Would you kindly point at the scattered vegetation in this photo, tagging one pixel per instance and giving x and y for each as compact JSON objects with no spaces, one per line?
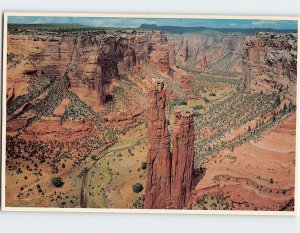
{"x":137,"y":187}
{"x":57,"y":182}
{"x":144,"y":165}
{"x":198,"y":107}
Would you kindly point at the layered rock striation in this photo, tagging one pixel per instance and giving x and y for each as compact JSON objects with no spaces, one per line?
{"x":169,"y":176}
{"x":90,"y":59}
{"x":205,"y":50}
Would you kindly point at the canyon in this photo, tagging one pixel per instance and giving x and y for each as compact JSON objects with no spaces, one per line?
{"x":90,"y":60}
{"x":134,"y":118}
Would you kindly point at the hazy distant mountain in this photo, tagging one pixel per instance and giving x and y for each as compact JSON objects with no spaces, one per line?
{"x":181,"y":29}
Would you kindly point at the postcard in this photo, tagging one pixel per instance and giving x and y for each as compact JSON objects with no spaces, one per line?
{"x":149,"y":113}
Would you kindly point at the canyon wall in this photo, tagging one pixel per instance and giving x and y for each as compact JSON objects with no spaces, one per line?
{"x":209,"y":50}
{"x":90,"y":59}
{"x":201,"y":62}
{"x":269,"y":59}
{"x":169,"y":179}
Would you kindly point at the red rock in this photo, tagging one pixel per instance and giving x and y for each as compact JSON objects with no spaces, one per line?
{"x":91,"y":59}
{"x":158,"y":183}
{"x":186,"y":51}
{"x":169,"y":180}
{"x":172,"y":54}
{"x":202,"y":62}
{"x":183,"y":157}
{"x":269,"y":57}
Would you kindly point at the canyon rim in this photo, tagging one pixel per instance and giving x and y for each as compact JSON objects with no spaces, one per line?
{"x":138,"y":113}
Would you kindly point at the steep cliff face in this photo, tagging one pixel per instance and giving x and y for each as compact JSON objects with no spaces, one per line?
{"x":183,"y":157}
{"x":172,"y":54}
{"x":169,"y":179}
{"x":158,"y":186}
{"x":269,"y":58}
{"x":216,"y":50}
{"x":90,"y":59}
{"x":159,"y":51}
{"x":201,"y":62}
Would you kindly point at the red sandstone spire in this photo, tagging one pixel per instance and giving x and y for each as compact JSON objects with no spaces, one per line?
{"x":169,"y":180}
{"x":183,"y":157}
{"x":158,"y":186}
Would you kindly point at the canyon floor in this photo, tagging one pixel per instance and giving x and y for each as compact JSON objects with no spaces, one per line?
{"x":65,"y":149}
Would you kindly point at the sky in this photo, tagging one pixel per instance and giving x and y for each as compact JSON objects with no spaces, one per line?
{"x":136,"y":22}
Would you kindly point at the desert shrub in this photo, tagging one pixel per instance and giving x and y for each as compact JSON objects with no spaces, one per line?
{"x":212,"y":94}
{"x":198,"y":107}
{"x":144,"y":165}
{"x":130,"y":152}
{"x":57,"y":182}
{"x":206,"y":100}
{"x":139,"y":203}
{"x":278,"y":101}
{"x":181,"y":102}
{"x":197,"y":114}
{"x":137,"y":187}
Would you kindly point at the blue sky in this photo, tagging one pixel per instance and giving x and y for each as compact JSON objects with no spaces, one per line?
{"x":136,"y":22}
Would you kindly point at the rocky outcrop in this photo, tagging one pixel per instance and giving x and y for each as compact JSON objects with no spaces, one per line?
{"x":186,"y":51}
{"x":183,"y":157}
{"x":10,"y":94}
{"x":158,"y":186}
{"x":201,"y":62}
{"x":217,"y":49}
{"x":159,"y":51}
{"x":172,"y":54}
{"x":272,"y":55}
{"x":90,"y":59}
{"x":169,"y":179}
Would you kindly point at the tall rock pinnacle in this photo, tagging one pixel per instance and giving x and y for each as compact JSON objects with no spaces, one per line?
{"x":169,"y":179}
{"x":183,"y":156}
{"x":158,"y":186}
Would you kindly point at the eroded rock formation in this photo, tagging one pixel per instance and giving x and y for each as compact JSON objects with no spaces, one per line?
{"x":90,"y":59}
{"x":269,"y":57}
{"x":217,"y":49}
{"x":186,"y":51}
{"x":169,"y":179}
{"x":158,"y":186}
{"x":172,"y":54}
{"x":201,"y":62}
{"x":183,"y":157}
